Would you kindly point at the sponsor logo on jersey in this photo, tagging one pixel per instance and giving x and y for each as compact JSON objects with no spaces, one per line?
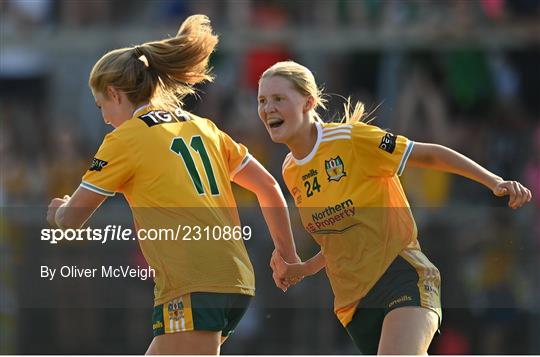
{"x":335,"y":169}
{"x":156,"y":117}
{"x":388,"y":143}
{"x":325,"y":221}
{"x":310,"y":174}
{"x":97,"y":164}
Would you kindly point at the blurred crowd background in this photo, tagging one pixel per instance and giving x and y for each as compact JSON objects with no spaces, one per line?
{"x":463,"y":73}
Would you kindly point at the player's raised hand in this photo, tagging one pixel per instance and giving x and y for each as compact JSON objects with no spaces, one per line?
{"x":518,"y":194}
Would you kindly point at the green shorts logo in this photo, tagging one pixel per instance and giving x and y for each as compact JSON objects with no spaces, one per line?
{"x":334,"y":169}
{"x":157,"y":325}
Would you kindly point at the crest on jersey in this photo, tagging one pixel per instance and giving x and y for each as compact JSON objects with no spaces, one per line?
{"x":176,"y":310}
{"x":335,"y":169}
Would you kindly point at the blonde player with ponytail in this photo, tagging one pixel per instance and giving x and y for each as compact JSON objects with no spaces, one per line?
{"x":175,"y":170}
{"x":344,"y":180}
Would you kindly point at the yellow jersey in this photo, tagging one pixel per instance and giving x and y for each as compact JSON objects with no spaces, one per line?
{"x":176,"y":176}
{"x":351,"y":201}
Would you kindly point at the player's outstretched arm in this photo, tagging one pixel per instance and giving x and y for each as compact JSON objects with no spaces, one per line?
{"x":74,"y":211}
{"x":256,"y":179}
{"x":297,"y":270}
{"x":441,"y":158}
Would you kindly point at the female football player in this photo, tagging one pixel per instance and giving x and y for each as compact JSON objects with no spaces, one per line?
{"x":344,"y":179}
{"x":175,"y":169}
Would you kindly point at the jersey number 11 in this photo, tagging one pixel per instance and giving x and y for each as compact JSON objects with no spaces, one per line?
{"x":180,"y":147}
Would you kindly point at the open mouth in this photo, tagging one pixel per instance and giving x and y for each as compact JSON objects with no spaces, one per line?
{"x":275,"y":123}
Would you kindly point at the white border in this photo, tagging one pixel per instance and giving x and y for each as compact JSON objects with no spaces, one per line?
{"x":405,"y":157}
{"x":96,"y":189}
{"x":310,"y":156}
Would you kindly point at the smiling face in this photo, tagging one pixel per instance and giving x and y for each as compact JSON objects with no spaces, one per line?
{"x":282,"y":109}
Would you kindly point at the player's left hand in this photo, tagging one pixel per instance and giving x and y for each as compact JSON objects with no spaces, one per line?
{"x":519,"y":194}
{"x":53,"y":207}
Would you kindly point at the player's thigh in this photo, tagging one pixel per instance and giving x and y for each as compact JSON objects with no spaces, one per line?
{"x":186,"y":343}
{"x":408,"y":330}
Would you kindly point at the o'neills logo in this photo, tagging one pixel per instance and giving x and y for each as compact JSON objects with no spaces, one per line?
{"x":324,"y":221}
{"x":310,"y":174}
{"x":400,"y":300}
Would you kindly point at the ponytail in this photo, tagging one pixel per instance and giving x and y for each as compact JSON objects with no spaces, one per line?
{"x":354,"y":114}
{"x":162,"y":72}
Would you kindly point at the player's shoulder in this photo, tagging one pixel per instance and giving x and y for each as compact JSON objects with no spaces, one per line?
{"x":332,"y":126}
{"x":204,"y":123}
{"x":132,"y":130}
{"x":366,"y":130}
{"x":190,"y":117}
{"x":120,"y":134}
{"x":288,"y":162}
{"x":335,"y":131}
{"x":358,"y":134}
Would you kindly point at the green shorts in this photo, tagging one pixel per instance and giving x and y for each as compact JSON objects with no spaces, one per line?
{"x":405,"y":283}
{"x":200,"y":312}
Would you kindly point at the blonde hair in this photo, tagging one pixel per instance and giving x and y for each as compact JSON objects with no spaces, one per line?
{"x":161,"y":72}
{"x":304,"y":82}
